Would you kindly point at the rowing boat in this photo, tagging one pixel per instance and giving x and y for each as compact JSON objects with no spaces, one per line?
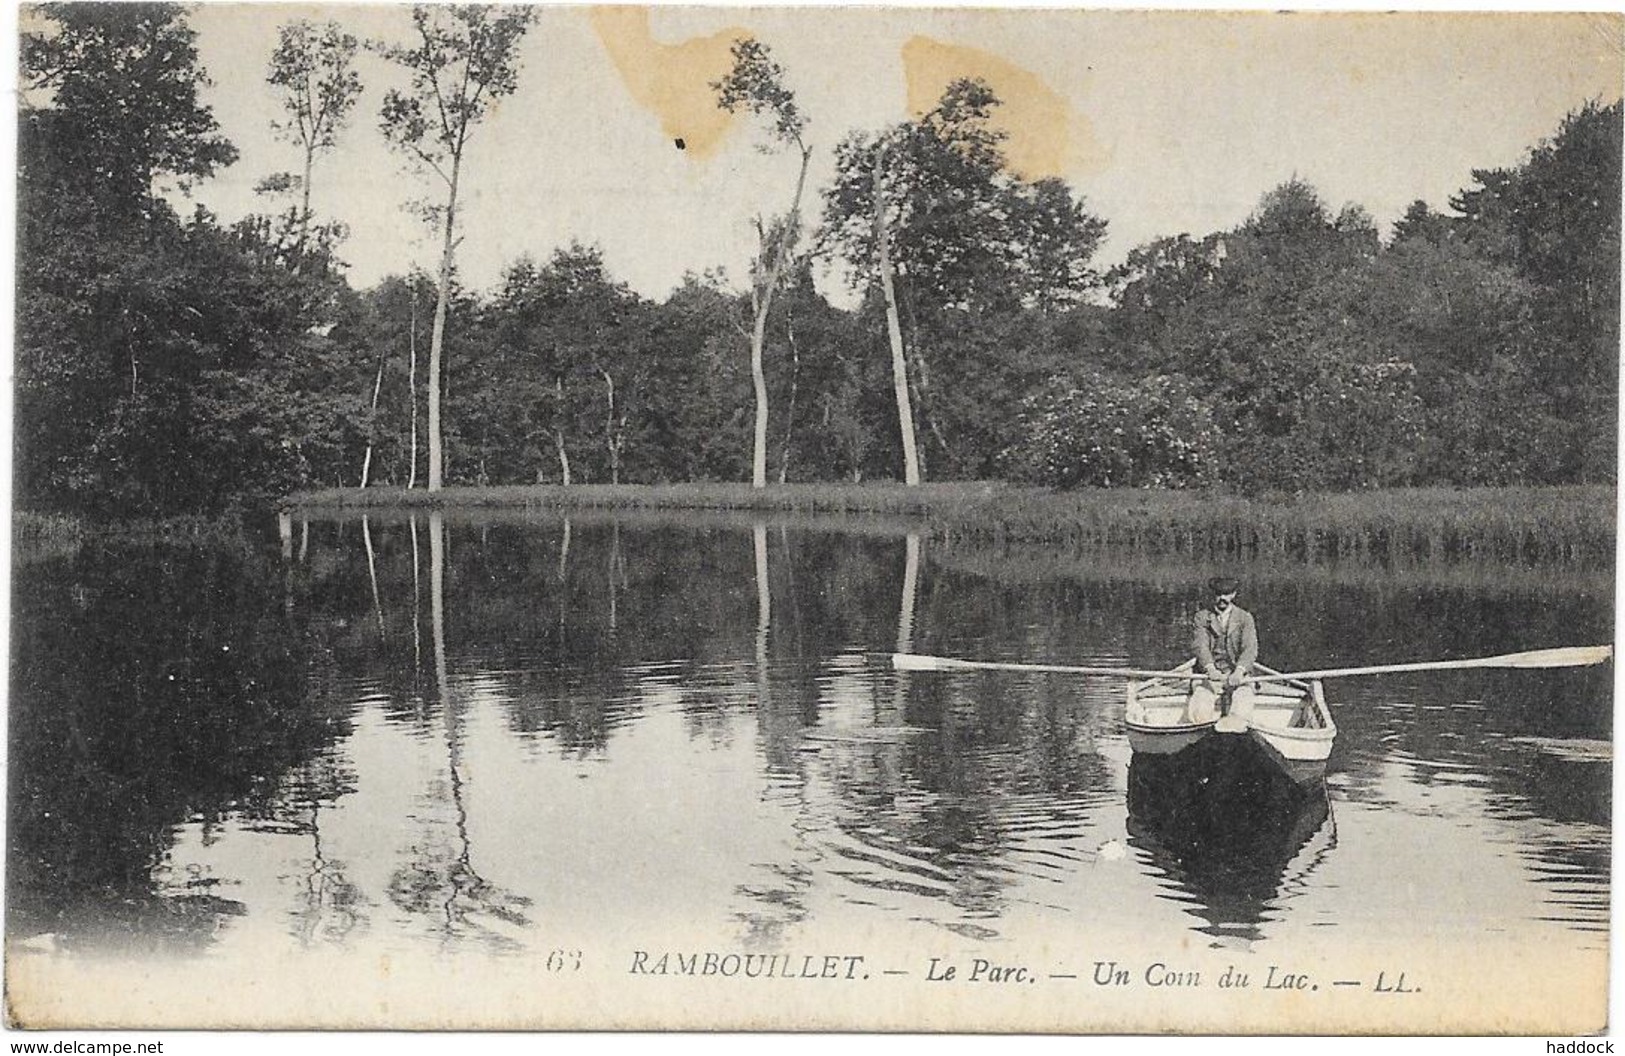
{"x":1290,"y":720}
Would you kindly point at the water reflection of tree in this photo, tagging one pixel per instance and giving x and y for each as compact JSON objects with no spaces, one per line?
{"x":438,"y":877}
{"x":617,"y":604}
{"x":152,"y":686}
{"x":529,"y":613}
{"x":331,"y":907}
{"x":784,"y":693}
{"x":763,"y":652}
{"x":926,"y":789}
{"x":564,"y":671}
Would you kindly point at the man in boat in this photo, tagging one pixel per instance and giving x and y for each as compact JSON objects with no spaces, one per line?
{"x":1225,"y":641}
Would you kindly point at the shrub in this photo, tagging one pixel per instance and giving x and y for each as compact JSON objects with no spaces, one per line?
{"x":1094,"y":430}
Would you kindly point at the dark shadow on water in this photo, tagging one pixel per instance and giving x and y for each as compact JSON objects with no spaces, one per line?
{"x":151,"y":689}
{"x":1231,"y":837}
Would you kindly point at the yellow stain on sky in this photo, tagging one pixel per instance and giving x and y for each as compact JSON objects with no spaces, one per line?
{"x":671,"y":81}
{"x":1047,"y":137}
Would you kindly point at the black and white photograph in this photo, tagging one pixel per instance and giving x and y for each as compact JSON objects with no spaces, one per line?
{"x":946,"y":520}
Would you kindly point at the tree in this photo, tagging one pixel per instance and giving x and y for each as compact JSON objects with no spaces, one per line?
{"x":163,"y":365}
{"x":388,"y":326}
{"x":1421,"y":222}
{"x":756,"y":84}
{"x":968,"y":241}
{"x":562,"y":382}
{"x":1462,"y":318}
{"x":1281,"y":326}
{"x":1556,"y":218}
{"x":894,"y":328}
{"x":1162,"y":297}
{"x":106,"y":323}
{"x":123,"y":82}
{"x":698,"y":429}
{"x":821,"y":345}
{"x":466,"y":57}
{"x":313,"y":68}
{"x":282,"y":404}
{"x":1058,"y":238}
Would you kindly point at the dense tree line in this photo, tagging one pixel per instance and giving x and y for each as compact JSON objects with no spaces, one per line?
{"x":169,"y":362}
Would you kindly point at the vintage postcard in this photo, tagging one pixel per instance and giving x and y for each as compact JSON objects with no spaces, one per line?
{"x":860,"y":519}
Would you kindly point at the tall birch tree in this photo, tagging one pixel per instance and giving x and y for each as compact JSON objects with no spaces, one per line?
{"x":894,"y":329}
{"x":313,"y":68}
{"x":464,"y":59}
{"x":755,"y":85}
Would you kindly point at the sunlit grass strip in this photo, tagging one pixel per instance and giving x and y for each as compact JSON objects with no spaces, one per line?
{"x":45,"y":528}
{"x":1523,"y":524}
{"x":39,"y":536}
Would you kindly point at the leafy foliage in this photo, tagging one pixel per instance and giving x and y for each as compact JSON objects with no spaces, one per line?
{"x":314,"y":71}
{"x":465,"y":58}
{"x":313,"y":68}
{"x":1093,"y":430}
{"x":170,"y":364}
{"x":1333,"y":361}
{"x":162,"y":365}
{"x":975,"y":248}
{"x":123,"y":86}
{"x":755,"y":84}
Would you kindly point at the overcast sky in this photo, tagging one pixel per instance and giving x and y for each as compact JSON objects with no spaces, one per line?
{"x":1165,"y":122}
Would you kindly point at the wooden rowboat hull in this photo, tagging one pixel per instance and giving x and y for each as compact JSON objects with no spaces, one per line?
{"x":1154,"y":715}
{"x":1300,"y":742}
{"x":1167,"y":741}
{"x":1290,"y":723}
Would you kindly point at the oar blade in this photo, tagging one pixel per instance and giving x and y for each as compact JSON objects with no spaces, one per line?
{"x":1568,"y":656}
{"x":917,"y":662}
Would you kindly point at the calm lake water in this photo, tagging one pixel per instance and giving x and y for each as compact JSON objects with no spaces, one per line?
{"x":497,"y":737}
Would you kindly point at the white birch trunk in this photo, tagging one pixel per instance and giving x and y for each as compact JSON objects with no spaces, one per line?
{"x":894,"y":332}
{"x":412,"y":384}
{"x":438,"y":336}
{"x":366,"y":463}
{"x":763,"y":297}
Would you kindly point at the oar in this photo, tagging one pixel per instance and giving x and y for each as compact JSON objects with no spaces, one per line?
{"x":917,"y":662}
{"x":1567,"y":656}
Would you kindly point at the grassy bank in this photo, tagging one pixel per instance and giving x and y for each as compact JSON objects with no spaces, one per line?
{"x":1523,"y":525}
